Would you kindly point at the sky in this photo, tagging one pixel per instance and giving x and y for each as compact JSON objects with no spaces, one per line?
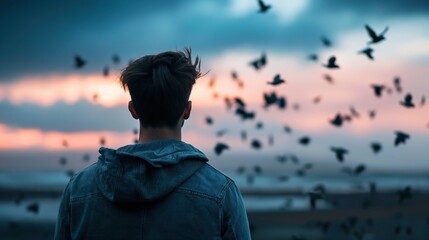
{"x":44,"y":100}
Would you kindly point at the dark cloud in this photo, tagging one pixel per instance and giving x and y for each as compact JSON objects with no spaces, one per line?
{"x":80,"y":116}
{"x":43,"y":37}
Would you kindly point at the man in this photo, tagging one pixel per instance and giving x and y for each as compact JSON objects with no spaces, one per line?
{"x":161,"y":187}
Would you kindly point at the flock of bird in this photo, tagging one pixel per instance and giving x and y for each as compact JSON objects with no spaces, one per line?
{"x":273,"y":99}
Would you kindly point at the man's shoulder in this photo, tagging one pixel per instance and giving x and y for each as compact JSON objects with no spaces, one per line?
{"x":83,"y":183}
{"x":208,"y":182}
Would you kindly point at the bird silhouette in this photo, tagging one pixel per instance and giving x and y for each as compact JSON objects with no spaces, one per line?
{"x":359,"y":169}
{"x":287,"y":129}
{"x":263,"y":7}
{"x":314,"y":197}
{"x":221,"y":132}
{"x":79,"y":62}
{"x":220,"y":147}
{"x":337,"y":121}
{"x":375,"y":38}
{"x":404,"y":194}
{"x":368,"y":52}
{"x":259,"y":125}
{"x":276,"y":81}
{"x":116,"y":59}
{"x":304,"y":140}
{"x":239,"y":102}
{"x":33,"y":207}
{"x":209,"y":120}
{"x":354,"y":112}
{"x":241,"y":170}
{"x":422,"y":101}
{"x":408,"y":101}
{"x":257,"y":64}
{"x":397,"y":84}
{"x":244,"y":114}
{"x":331,"y":63}
{"x":376,"y":147}
{"x":339,"y":153}
{"x":328,"y":78}
{"x":378,"y":89}
{"x":317,"y":99}
{"x":102,"y":141}
{"x":401,"y":138}
{"x":256,"y":144}
{"x":86,"y":157}
{"x":106,"y":71}
{"x":243,"y":135}
{"x":63,"y":161}
{"x":313,"y":57}
{"x":372,"y":114}
{"x":257,"y":169}
{"x":326,"y":42}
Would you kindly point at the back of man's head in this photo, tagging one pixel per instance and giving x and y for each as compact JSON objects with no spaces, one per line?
{"x":160,"y":86}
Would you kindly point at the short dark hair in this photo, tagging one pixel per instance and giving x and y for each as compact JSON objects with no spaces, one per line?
{"x":160,"y":86}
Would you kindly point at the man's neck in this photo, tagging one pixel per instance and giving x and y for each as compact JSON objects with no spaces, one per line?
{"x":153,"y":134}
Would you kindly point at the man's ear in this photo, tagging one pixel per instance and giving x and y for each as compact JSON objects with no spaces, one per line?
{"x":132,"y":110}
{"x":187,"y":111}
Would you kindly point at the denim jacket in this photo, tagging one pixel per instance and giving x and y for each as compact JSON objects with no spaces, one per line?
{"x":157,"y":190}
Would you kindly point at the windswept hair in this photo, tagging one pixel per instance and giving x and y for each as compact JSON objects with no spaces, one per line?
{"x":160,"y":86}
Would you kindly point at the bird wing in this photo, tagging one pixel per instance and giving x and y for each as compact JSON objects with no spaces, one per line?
{"x":261,"y":4}
{"x":371,"y":32}
{"x":384,"y":31}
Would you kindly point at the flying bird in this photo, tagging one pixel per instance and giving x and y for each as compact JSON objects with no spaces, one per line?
{"x":263,"y":7}
{"x":63,"y":161}
{"x":86,"y":157}
{"x":337,"y":121}
{"x":408,"y":101}
{"x":102,"y":141}
{"x":106,"y":71}
{"x":304,"y":140}
{"x":276,"y":81}
{"x":331,"y":63}
{"x":376,"y":147}
{"x":221,"y":132}
{"x":313,"y":197}
{"x":243,"y":135}
{"x":317,"y":99}
{"x":401,"y":137}
{"x":209,"y":120}
{"x":359,"y":169}
{"x":375,"y":38}
{"x":256,"y":144}
{"x":328,"y":78}
{"x":339,"y":153}
{"x":422,"y":101}
{"x":239,"y":102}
{"x":79,"y":62}
{"x":354,"y":112}
{"x":378,"y":89}
{"x":287,"y":129}
{"x":244,"y":114}
{"x":257,"y":64}
{"x":368,"y":52}
{"x":116,"y":59}
{"x":313,"y":57}
{"x":397,"y":83}
{"x":404,"y":194}
{"x":33,"y":207}
{"x":326,"y":42}
{"x":220,"y":147}
{"x":372,"y":114}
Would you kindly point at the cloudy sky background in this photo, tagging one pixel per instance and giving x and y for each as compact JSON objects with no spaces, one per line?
{"x":44,"y":100}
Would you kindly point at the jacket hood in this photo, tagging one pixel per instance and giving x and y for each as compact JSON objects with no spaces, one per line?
{"x":146,"y":172}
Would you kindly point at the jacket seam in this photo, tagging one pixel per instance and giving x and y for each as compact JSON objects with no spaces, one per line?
{"x":200,"y":194}
{"x":75,"y":199}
